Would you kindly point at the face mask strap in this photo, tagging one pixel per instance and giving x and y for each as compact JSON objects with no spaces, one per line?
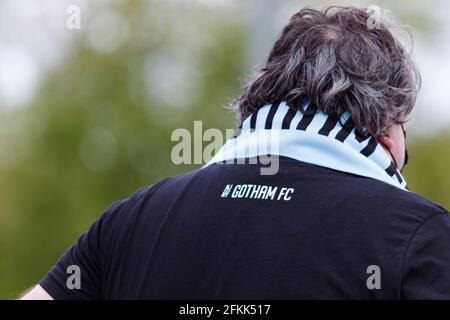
{"x":406,"y":149}
{"x":406,"y":153}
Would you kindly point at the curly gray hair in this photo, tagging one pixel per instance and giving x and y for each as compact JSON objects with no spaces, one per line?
{"x":333,"y":60}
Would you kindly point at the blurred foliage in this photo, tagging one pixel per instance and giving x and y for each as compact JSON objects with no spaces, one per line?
{"x":428,"y":172}
{"x":99,"y":129}
{"x":95,"y":134}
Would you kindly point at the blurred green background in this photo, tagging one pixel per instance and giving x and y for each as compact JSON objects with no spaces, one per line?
{"x":96,"y":123}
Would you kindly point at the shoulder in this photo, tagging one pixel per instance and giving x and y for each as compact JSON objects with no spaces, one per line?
{"x":412,"y":202}
{"x":165,"y":188}
{"x":391,"y":202}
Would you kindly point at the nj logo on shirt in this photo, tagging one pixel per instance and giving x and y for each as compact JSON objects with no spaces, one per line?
{"x":227,"y":190}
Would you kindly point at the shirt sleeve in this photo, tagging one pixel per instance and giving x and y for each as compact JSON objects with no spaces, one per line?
{"x":78,"y":273}
{"x":426,"y":271}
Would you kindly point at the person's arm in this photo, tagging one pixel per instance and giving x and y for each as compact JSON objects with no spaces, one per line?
{"x":81,"y":270}
{"x":78,"y":273}
{"x":426,"y":271}
{"x":36,"y":293}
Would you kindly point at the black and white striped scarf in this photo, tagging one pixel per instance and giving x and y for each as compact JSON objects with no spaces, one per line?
{"x":317,"y":139}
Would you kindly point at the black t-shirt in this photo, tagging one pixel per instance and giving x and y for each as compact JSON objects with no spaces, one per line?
{"x":228,"y":232}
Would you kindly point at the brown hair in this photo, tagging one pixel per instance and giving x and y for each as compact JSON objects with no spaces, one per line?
{"x":335,"y":61}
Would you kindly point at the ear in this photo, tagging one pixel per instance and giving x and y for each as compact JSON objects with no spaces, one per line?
{"x":387,"y":142}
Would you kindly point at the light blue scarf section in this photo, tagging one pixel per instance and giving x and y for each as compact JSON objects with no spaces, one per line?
{"x":277,"y":130}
